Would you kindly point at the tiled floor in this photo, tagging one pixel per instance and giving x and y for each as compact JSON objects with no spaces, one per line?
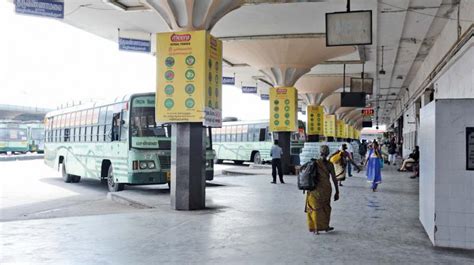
{"x":249,"y":221}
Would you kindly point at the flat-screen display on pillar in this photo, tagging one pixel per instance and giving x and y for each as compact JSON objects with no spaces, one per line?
{"x":353,"y":99}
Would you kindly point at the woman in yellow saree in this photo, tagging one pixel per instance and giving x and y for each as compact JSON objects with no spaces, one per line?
{"x":318,"y":201}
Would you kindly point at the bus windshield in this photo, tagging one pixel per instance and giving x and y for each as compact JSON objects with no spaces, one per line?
{"x":143,"y":125}
{"x":13,"y":134}
{"x":37,"y":134}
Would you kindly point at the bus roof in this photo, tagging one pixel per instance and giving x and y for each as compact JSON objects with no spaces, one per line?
{"x":98,"y":103}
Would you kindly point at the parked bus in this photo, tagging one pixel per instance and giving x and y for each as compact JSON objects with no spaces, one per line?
{"x":13,"y":137}
{"x":35,"y":137}
{"x":118,"y":142}
{"x":247,"y":141}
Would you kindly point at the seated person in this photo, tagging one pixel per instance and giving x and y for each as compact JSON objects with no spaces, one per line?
{"x":412,"y":158}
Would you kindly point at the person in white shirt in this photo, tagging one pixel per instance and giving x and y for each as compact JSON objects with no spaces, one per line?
{"x":276,"y":153}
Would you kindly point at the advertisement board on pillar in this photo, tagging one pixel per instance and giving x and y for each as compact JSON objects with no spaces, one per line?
{"x":189,"y":78}
{"x":330,"y":125}
{"x":283,"y":109}
{"x":315,"y":120}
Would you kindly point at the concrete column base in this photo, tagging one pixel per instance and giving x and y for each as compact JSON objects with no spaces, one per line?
{"x":188,"y":168}
{"x":284,"y":141}
{"x":313,"y":138}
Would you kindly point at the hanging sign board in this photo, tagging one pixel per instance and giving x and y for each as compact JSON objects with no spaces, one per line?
{"x":264,"y":96}
{"x":349,"y":28}
{"x":356,"y":99}
{"x":470,"y":148}
{"x":283,"y":109}
{"x":134,"y":45}
{"x":356,"y":85}
{"x":330,"y":125}
{"x":189,"y":78}
{"x":315,"y":120}
{"x":42,"y":8}
{"x":249,"y":89}
{"x":228,"y":80}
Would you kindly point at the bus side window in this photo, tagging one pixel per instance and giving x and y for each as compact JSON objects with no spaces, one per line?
{"x":66,"y":135}
{"x":116,"y":127}
{"x":262,"y":135}
{"x":102,"y":122}
{"x":268,"y":135}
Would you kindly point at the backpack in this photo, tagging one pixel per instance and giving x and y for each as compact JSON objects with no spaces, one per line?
{"x":307,"y":176}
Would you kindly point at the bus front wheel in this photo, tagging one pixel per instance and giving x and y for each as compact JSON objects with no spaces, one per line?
{"x":111,"y":184}
{"x":257,"y":159}
{"x":68,"y":178}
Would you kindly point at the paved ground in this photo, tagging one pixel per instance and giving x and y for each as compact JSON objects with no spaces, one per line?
{"x":248,"y":221}
{"x":31,"y":190}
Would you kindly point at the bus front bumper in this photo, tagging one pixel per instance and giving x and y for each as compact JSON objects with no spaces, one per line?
{"x":149,"y":178}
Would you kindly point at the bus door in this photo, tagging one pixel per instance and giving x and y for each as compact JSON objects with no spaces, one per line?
{"x":209,"y":155}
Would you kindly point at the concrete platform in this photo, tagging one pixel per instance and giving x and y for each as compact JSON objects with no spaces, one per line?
{"x":21,"y":157}
{"x":248,"y":221}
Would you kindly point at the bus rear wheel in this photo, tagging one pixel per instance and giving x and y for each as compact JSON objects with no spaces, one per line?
{"x":257,"y":159}
{"x":111,"y":184}
{"x":68,"y":178}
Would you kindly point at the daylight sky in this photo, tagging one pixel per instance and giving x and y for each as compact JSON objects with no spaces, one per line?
{"x":46,"y":63}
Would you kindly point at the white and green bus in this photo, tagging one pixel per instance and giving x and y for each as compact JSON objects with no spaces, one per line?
{"x":13,"y":137}
{"x":36,"y":137}
{"x":248,"y":141}
{"x":242,"y":141}
{"x":118,"y":142}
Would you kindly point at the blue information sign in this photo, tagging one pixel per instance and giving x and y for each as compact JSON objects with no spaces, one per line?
{"x":228,"y":80}
{"x":43,"y":8}
{"x":249,"y":89}
{"x":134,"y":45}
{"x":265,"y":97}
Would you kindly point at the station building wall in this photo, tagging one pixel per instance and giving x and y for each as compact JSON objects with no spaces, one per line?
{"x":455,"y":81}
{"x":446,"y":197}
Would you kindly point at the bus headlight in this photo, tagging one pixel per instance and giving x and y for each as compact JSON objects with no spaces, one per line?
{"x":143,"y":165}
{"x":151,"y":164}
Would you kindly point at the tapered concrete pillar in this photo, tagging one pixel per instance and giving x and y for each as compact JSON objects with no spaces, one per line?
{"x":188,"y":167}
{"x":283,"y":61}
{"x":314,"y":90}
{"x":284,"y":141}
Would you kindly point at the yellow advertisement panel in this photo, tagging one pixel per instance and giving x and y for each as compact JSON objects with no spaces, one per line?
{"x":339,"y":129}
{"x":330,"y":125}
{"x":346,"y":131}
{"x":189,"y":74}
{"x":283,"y":109}
{"x":315,"y":120}
{"x":350,"y":132}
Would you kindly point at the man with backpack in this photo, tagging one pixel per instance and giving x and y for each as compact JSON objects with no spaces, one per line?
{"x":318,"y":200}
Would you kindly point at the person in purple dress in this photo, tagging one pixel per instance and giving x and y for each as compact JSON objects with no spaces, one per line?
{"x":374,"y":166}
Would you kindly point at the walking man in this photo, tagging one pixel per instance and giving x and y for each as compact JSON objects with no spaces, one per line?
{"x":276,"y":153}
